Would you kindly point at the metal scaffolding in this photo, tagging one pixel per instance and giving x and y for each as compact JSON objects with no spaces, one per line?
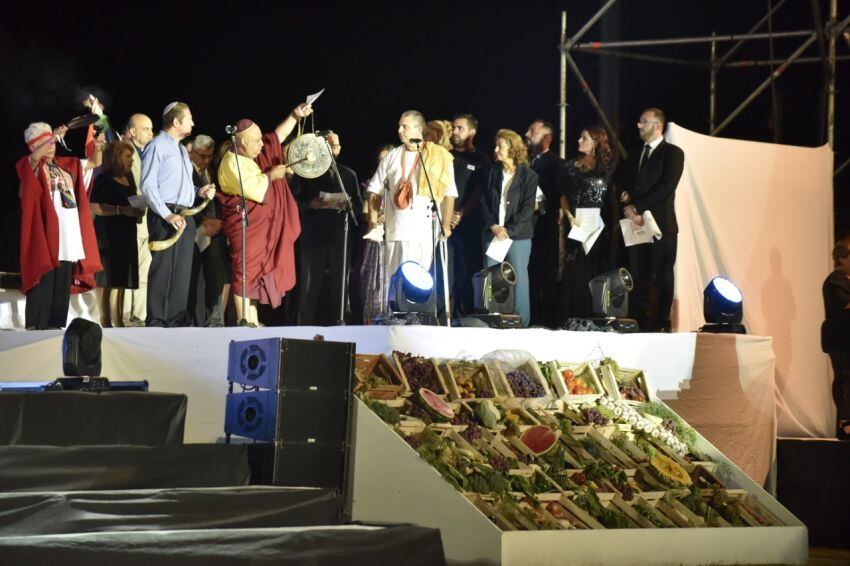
{"x":825,"y":35}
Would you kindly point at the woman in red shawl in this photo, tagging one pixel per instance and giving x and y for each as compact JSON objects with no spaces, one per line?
{"x":58,"y":246}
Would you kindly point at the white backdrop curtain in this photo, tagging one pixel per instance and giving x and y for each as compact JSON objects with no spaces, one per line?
{"x":762,"y":215}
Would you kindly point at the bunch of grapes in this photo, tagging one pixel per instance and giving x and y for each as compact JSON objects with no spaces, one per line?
{"x":592,"y":416}
{"x":631,"y":392}
{"x":461,"y":418}
{"x":417,"y":411}
{"x":523,"y":385}
{"x":500,"y":463}
{"x":471,"y":433}
{"x":414,"y":441}
{"x":626,"y":491}
{"x":420,"y":372}
{"x":527,"y":459}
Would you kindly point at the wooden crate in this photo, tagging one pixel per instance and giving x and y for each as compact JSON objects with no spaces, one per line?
{"x":451,"y":371}
{"x":440,"y":380}
{"x":486,"y":507}
{"x":379,"y":365}
{"x":533,"y":371}
{"x":611,"y":383}
{"x":582,"y":370}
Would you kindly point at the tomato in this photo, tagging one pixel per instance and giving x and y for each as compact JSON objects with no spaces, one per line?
{"x":568,"y":375}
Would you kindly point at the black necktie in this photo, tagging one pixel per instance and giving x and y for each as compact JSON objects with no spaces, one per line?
{"x":644,"y":156}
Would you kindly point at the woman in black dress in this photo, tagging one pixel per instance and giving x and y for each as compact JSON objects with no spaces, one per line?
{"x":115,"y":225}
{"x":586,"y":184}
{"x":835,"y":332}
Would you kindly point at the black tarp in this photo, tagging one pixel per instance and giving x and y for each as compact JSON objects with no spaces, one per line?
{"x":343,"y":546}
{"x":73,"y":418}
{"x":812,"y":482}
{"x":30,"y":514}
{"x":77,"y":468}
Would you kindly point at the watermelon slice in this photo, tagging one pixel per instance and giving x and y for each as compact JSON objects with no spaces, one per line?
{"x":540,"y":439}
{"x":433,"y":402}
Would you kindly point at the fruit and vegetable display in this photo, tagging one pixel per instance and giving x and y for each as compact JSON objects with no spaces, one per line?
{"x":472,"y":380}
{"x":600,"y":463}
{"x":523,"y":385}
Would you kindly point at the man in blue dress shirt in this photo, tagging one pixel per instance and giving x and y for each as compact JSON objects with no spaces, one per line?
{"x":168,"y":188}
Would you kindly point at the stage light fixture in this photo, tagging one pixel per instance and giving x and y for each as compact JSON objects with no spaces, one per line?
{"x":610,"y":293}
{"x":81,"y":348}
{"x":493,"y":289}
{"x":411,"y":289}
{"x":723,"y":307}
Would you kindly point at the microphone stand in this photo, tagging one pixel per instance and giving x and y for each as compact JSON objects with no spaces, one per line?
{"x":436,"y":218}
{"x":349,"y":213}
{"x":244,"y":221}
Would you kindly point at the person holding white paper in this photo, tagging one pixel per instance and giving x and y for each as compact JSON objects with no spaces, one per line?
{"x":507,"y":204}
{"x":583,"y":207}
{"x":648,"y":181}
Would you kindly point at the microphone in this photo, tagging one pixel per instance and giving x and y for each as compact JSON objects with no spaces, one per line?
{"x":324,"y":133}
{"x":230,"y":130}
{"x":415,"y":140}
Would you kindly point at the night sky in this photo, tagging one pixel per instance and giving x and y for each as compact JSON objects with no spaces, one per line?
{"x":497,"y":60}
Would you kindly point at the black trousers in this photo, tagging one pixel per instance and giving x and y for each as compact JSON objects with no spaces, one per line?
{"x":212,"y":262}
{"x":841,"y":388}
{"x":318,"y":304}
{"x":170,"y":274}
{"x":466,"y":258}
{"x":651,"y":266}
{"x":48,"y":301}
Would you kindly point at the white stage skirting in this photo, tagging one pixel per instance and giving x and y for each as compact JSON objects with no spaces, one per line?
{"x":723,"y":385}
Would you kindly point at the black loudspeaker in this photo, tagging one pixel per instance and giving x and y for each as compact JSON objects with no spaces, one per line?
{"x":307,"y":411}
{"x":81,"y":348}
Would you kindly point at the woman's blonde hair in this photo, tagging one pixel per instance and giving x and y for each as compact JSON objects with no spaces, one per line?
{"x":516,"y":147}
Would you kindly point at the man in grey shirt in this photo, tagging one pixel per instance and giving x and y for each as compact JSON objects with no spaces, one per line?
{"x":168,"y":188}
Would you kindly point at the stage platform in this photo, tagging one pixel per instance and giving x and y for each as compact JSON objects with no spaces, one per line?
{"x":723,"y":385}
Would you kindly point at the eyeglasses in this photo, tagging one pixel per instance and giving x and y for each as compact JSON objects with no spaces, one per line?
{"x":642,"y":122}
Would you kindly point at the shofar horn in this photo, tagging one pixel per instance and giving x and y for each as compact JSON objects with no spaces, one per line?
{"x":160,"y":245}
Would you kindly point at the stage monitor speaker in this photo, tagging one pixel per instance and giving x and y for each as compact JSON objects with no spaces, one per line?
{"x":306,"y":410}
{"x":81,"y":348}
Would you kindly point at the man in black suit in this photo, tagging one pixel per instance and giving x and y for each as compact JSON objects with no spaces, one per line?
{"x":321,"y":242}
{"x":211,"y":253}
{"x":648,"y":181}
{"x":543,"y":266}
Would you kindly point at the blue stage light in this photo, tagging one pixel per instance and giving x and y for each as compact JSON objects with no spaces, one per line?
{"x":727,"y":289}
{"x":723,"y":307}
{"x":411,"y":289}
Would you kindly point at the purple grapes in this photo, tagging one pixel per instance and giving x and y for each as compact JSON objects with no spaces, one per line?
{"x":420,"y":372}
{"x":592,"y":416}
{"x":523,"y":386}
{"x":471,"y":433}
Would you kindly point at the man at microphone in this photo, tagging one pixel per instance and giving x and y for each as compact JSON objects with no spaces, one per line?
{"x":273,"y":223}
{"x":400,"y":182}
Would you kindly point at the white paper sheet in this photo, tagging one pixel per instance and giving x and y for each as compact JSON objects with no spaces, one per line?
{"x":376,"y":234}
{"x":634,"y":234}
{"x":498,"y":249}
{"x":311,"y":98}
{"x":332,"y":197}
{"x":201,"y":239}
{"x":586,"y":228}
